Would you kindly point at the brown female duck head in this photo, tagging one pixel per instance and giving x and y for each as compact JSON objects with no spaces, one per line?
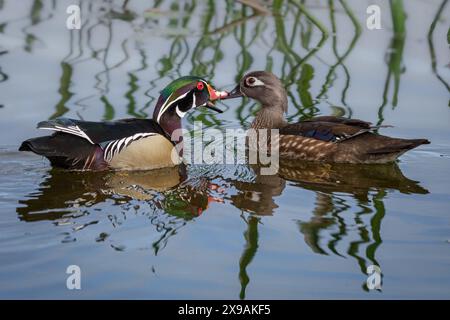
{"x":264,"y":87}
{"x":269,"y":91}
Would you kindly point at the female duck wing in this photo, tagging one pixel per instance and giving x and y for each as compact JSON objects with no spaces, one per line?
{"x":341,"y":141}
{"x":350,"y":122}
{"x":324,"y":131}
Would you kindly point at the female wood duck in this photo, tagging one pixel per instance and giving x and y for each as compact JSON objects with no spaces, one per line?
{"x":326,"y":138}
{"x":127,"y":144}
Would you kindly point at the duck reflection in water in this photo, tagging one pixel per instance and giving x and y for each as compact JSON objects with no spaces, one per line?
{"x":56,"y":197}
{"x":177,"y":197}
{"x":170,"y":200}
{"x":367,"y":185}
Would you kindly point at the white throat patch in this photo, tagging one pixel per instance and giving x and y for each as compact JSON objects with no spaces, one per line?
{"x":182,"y":113}
{"x":166,"y":106}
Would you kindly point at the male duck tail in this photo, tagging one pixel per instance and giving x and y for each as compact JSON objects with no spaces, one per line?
{"x":66,"y":151}
{"x":34,"y":145}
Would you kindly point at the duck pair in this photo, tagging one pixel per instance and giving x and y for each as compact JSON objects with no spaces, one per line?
{"x":145,"y":144}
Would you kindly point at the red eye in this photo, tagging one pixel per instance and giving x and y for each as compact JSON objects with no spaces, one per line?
{"x":200,"y":85}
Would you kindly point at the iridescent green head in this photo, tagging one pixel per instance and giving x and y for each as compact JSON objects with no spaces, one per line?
{"x":182,"y":95}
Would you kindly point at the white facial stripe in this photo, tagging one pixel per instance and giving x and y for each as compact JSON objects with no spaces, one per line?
{"x":161,"y":111}
{"x":257,"y":83}
{"x":166,"y":105}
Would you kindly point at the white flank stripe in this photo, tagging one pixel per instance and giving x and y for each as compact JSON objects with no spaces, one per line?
{"x":128,"y":140}
{"x":120,"y":143}
{"x":112,"y":151}
{"x":114,"y":147}
{"x":106,"y":152}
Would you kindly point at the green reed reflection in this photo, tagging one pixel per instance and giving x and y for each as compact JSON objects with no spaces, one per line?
{"x":251,"y":247}
{"x":3,"y":76}
{"x":331,"y":76}
{"x":395,"y":67}
{"x":200,"y":44}
{"x":244,"y":59}
{"x":35,"y":18}
{"x":368,"y":186}
{"x":431,"y":44}
{"x":201,"y":65}
{"x":64,"y":91}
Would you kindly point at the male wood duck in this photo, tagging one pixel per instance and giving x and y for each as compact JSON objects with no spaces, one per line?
{"x":127,"y":144}
{"x":325,"y":138}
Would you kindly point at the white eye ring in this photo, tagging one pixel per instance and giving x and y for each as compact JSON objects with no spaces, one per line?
{"x":253,"y":82}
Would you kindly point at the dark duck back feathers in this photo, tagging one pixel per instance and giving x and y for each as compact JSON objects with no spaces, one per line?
{"x":127,"y":144}
{"x":87,"y":145}
{"x":326,"y":138}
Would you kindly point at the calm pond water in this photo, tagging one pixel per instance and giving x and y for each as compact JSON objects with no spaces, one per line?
{"x":224,"y":231}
